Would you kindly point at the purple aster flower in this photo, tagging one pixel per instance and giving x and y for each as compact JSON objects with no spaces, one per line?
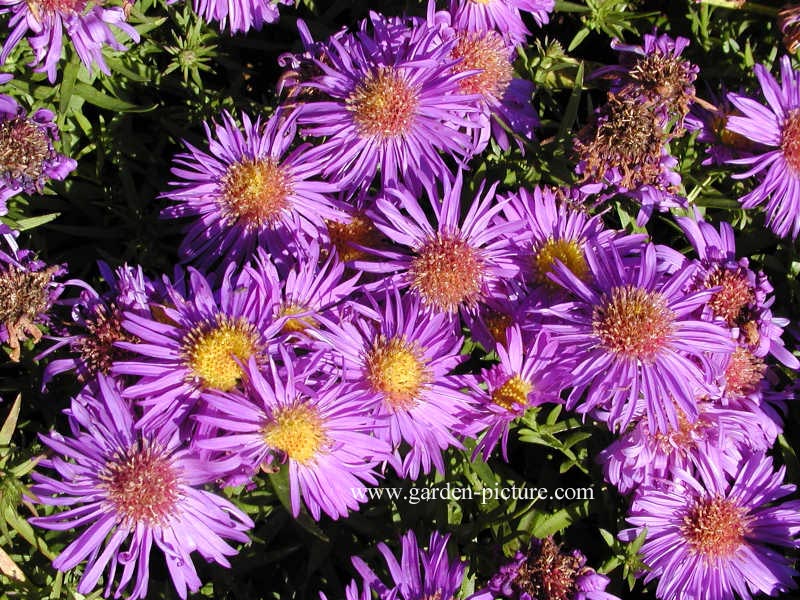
{"x":242,"y":15}
{"x":246,"y":186}
{"x":527,"y":375}
{"x":743,"y":297}
{"x":777,"y":128}
{"x":644,"y":458}
{"x":28,"y":289}
{"x":27,"y":156}
{"x":388,"y":107}
{"x":633,"y":334}
{"x":712,"y":536}
{"x":97,"y":322}
{"x":132,"y":489}
{"x":311,"y":289}
{"x":505,"y":100}
{"x":87,"y":24}
{"x":655,"y":74}
{"x":400,"y":364}
{"x":419,"y":574}
{"x":454,"y":263}
{"x":323,"y":432}
{"x":500,"y":15}
{"x":545,"y":572}
{"x":556,"y":229}
{"x":197,"y":341}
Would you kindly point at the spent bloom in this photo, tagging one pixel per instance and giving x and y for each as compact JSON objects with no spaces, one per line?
{"x":28,"y":289}
{"x":777,"y":128}
{"x":546,"y":572}
{"x":27,"y":156}
{"x":711,"y":535}
{"x":132,"y":490}
{"x":87,"y":23}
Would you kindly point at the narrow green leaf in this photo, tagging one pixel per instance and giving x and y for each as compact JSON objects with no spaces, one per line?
{"x":98,"y":98}
{"x":10,"y":424}
{"x":34,"y":222}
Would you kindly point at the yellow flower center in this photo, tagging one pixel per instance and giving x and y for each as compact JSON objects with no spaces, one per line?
{"x":397,"y":370}
{"x":383,"y":104}
{"x":569,"y":252}
{"x":360,"y":230}
{"x":212,"y":351}
{"x":296,"y":324}
{"x":255,"y":192}
{"x":514,"y":392}
{"x":298,"y":432}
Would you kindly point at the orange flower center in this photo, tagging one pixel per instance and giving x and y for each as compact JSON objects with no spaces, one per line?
{"x":255,"y":192}
{"x":715,"y":527}
{"x":398,"y":370}
{"x":633,"y":322}
{"x":447,"y":272}
{"x":383,"y":104}
{"x":790,"y":140}
{"x":485,"y":51}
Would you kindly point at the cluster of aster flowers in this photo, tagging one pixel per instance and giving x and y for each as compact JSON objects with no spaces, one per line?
{"x":335,"y":256}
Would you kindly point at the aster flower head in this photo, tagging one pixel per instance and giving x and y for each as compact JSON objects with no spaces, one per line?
{"x":97,"y":322}
{"x":400,"y":364}
{"x":711,"y":536}
{"x":197,"y":341}
{"x":248,"y":185}
{"x":87,"y":23}
{"x":527,"y":375}
{"x":240,"y":16}
{"x":635,"y":339}
{"x":28,"y":290}
{"x":505,"y":100}
{"x":133,"y":490}
{"x":419,"y":574}
{"x":454,"y":262}
{"x":325,"y":434}
{"x":389,"y":104}
{"x":743,"y":297}
{"x":546,"y":572}
{"x":776,"y":127}
{"x":27,"y":156}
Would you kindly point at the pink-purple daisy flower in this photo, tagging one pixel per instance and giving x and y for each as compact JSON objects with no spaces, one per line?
{"x":327,"y":436}
{"x":388,"y":107}
{"x":632,"y":330}
{"x":452,"y":263}
{"x":87,"y":23}
{"x":131,"y":490}
{"x":196,"y":341}
{"x":714,"y":536}
{"x":249,"y":183}
{"x":777,"y":128}
{"x":242,"y":15}
{"x":503,"y":16}
{"x":401,"y":366}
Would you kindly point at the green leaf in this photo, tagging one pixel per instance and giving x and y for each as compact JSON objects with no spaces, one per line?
{"x":34,"y":222}
{"x":98,"y":98}
{"x":10,"y":424}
